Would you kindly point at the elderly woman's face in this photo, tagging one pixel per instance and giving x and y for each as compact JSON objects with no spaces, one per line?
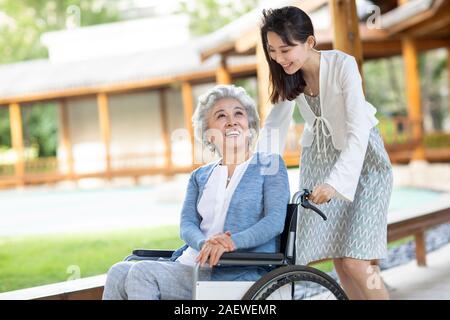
{"x":228,"y":126}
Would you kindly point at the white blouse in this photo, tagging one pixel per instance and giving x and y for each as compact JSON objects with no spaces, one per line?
{"x":214,"y":203}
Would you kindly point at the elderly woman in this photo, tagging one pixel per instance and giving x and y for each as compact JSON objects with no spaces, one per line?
{"x":237,"y":203}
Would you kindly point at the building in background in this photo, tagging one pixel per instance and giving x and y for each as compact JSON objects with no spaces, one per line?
{"x":125,"y":92}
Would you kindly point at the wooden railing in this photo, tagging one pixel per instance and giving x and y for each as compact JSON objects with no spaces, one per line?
{"x":41,"y":165}
{"x":48,"y":170}
{"x":397,"y":133}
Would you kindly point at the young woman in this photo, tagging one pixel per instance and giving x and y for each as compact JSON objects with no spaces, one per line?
{"x":343,"y":157}
{"x":236,"y":203}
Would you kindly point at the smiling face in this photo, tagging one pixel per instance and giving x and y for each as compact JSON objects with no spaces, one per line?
{"x":228,"y":127}
{"x":290,"y":57}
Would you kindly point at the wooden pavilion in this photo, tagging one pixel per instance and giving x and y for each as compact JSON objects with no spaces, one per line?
{"x":398,"y":28}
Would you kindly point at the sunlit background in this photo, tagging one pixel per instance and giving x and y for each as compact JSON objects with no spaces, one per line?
{"x":96,"y":99}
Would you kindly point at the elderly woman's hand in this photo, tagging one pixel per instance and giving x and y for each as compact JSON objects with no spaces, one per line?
{"x":211,"y":252}
{"x":224,"y":239}
{"x":214,"y":247}
{"x":322,"y":193}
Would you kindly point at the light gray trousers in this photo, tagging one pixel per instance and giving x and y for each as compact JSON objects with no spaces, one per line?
{"x":151,"y":280}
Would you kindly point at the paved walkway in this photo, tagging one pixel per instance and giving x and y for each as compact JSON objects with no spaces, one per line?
{"x":47,"y":210}
{"x":410,"y":282}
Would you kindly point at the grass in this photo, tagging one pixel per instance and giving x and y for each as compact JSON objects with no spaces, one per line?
{"x":33,"y":261}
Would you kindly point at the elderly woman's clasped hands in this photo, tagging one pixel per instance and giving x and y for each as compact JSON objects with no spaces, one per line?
{"x":214,"y":247}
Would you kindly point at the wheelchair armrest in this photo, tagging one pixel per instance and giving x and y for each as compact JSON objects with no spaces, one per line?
{"x":153,"y":253}
{"x":252,"y":258}
{"x":145,"y":254}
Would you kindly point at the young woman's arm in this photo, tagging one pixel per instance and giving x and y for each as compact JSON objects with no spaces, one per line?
{"x":272,"y":137}
{"x":190,"y":219}
{"x":345,"y":174}
{"x":276,"y":198}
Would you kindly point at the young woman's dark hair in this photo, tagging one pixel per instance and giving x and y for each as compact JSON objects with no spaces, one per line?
{"x":290,"y":24}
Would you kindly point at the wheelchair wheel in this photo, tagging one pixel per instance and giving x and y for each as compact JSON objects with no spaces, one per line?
{"x":295,"y":283}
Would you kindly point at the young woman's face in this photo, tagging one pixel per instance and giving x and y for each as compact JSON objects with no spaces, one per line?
{"x":228,"y":126}
{"x":290,"y":58}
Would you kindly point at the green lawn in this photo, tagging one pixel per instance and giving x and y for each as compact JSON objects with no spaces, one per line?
{"x":33,"y":261}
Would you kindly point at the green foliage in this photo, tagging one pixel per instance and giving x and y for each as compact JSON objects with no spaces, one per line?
{"x":23,"y":22}
{"x":385,"y":86}
{"x":40,"y":127}
{"x":207,"y":16}
{"x":5,"y":131}
{"x":437,"y":140}
{"x":298,"y":116}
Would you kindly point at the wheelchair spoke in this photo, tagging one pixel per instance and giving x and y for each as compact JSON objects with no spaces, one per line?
{"x":296,"y":283}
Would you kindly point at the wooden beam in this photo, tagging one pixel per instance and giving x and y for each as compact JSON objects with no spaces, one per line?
{"x":126,"y":87}
{"x":105,"y":129}
{"x":346,"y":29}
{"x":223,"y":75}
{"x":263,"y":81}
{"x":435,"y":7}
{"x":439,"y":19}
{"x":15,"y":118}
{"x":448,"y":77}
{"x":165,"y":128}
{"x":413,"y":96}
{"x":386,"y":48}
{"x":227,"y":47}
{"x":65,"y":139}
{"x":188,"y":107}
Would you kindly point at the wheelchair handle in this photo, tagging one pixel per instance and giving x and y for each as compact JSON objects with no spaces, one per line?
{"x":301,"y":197}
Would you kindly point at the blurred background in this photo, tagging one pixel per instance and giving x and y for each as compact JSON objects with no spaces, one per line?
{"x":96,"y":100}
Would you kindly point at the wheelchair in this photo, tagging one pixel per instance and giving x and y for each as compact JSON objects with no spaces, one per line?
{"x":286,"y":281}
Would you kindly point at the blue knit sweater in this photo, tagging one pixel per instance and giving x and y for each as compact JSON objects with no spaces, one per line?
{"x":255,"y":216}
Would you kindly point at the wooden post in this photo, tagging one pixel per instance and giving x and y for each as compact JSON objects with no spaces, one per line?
{"x":346,"y":29}
{"x":165,"y":128}
{"x":188,"y":107}
{"x":413,"y":98}
{"x":15,"y":118}
{"x":448,"y":77}
{"x":65,"y":137}
{"x":421,"y":251}
{"x":262,"y":74}
{"x":223,"y":76}
{"x":105,"y":129}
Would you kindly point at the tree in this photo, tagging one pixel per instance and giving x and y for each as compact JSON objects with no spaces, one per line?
{"x":22,"y":22}
{"x":207,"y":16}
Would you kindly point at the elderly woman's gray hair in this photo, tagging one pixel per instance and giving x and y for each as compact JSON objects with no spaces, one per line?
{"x":207,"y":101}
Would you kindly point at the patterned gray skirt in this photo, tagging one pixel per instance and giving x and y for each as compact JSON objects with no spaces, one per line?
{"x":355,"y":229}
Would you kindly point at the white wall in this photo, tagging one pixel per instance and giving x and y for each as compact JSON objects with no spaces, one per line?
{"x":136,"y":129}
{"x":84,"y":130}
{"x":179,"y":135}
